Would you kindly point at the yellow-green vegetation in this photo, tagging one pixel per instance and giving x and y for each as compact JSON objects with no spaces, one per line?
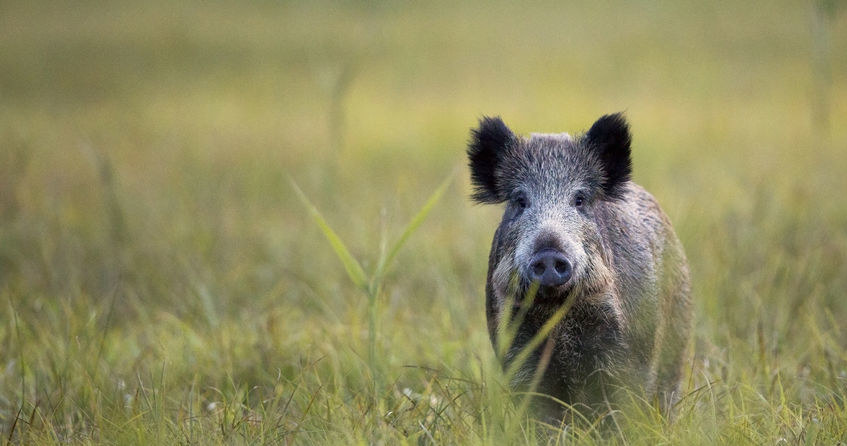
{"x":162,"y":282}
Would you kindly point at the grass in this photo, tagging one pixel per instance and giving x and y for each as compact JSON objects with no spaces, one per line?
{"x":161,"y":282}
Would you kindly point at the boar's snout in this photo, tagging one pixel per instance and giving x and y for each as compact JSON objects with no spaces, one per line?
{"x":550,"y":268}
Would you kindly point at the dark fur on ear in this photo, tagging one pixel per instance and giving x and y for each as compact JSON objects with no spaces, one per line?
{"x":485,"y":152}
{"x":609,"y":139}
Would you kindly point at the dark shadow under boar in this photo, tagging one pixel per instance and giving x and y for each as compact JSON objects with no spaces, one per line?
{"x":577,"y":234}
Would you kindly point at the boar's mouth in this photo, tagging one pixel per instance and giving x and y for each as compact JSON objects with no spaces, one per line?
{"x":536,"y":294}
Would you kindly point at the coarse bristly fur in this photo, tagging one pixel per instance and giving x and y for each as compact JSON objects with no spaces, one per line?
{"x":629,"y":317}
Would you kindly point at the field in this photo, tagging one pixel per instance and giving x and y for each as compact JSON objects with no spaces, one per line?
{"x":161,"y":281}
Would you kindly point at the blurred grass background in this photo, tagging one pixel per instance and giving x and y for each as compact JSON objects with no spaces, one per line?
{"x":160,"y":283}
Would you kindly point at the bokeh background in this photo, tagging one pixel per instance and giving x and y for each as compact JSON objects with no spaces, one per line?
{"x":160,"y":281}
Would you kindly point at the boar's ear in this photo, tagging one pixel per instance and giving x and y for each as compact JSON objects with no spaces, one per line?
{"x":485,"y":153}
{"x":609,"y":139}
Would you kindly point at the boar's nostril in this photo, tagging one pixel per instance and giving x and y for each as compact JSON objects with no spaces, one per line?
{"x":562,"y":266}
{"x":538,"y":268}
{"x":549,"y":268}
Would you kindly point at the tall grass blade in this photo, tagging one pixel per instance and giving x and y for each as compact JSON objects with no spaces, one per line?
{"x":413,"y":225}
{"x":353,"y":268}
{"x":508,"y":327}
{"x":519,"y":359}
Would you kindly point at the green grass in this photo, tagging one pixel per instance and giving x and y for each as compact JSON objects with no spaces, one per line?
{"x":161,"y":282}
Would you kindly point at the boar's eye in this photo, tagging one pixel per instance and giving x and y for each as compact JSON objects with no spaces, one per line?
{"x":579,"y":200}
{"x":519,"y":202}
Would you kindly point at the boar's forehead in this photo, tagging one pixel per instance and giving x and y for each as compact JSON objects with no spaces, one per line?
{"x":550,"y":165}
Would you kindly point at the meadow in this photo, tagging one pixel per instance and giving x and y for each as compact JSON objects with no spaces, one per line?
{"x":163,"y":282}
